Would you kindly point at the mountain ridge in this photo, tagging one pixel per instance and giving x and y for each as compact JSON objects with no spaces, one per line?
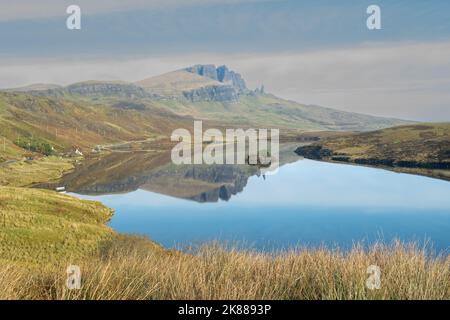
{"x":95,"y":112}
{"x":221,"y":74}
{"x":419,"y":148}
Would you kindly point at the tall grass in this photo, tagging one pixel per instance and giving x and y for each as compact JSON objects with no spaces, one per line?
{"x":127,"y":270}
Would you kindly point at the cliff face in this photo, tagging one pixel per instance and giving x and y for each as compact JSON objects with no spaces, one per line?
{"x":233,"y":84}
{"x":107,"y":89}
{"x":230,"y":77}
{"x":212,"y":93}
{"x":221,"y":74}
{"x":186,"y":92}
{"x":94,"y":88}
{"x":204,"y":70}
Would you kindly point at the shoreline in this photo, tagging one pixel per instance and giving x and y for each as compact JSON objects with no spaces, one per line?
{"x":318,"y":153}
{"x":404,"y":170}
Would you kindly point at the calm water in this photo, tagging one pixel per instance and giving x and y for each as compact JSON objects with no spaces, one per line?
{"x":306,"y":203}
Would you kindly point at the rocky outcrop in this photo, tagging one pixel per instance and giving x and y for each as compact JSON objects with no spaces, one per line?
{"x":444,"y":165}
{"x":232,"y":84}
{"x":259,"y":90}
{"x":375,"y":162}
{"x":315,"y":152}
{"x":232,"y":78}
{"x":129,"y":105}
{"x":212,"y":93}
{"x":107,"y":89}
{"x":94,"y":88}
{"x":204,"y":70}
{"x":221,"y":74}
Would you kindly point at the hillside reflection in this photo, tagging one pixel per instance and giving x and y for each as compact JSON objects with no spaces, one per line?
{"x":155,"y":172}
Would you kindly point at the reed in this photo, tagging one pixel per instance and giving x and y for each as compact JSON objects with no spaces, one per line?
{"x":128,"y":268}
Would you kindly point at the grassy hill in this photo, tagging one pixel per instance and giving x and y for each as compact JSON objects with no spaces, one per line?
{"x":268,"y":111}
{"x":35,"y":87}
{"x":88,"y":113}
{"x":421,"y":148}
{"x":22,"y":173}
{"x":42,"y":232}
{"x":172,"y":84}
{"x":65,"y":122}
{"x":39,"y":227}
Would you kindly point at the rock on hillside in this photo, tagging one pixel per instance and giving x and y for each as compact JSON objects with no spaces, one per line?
{"x":212,"y":93}
{"x":221,"y":74}
{"x":107,"y":89}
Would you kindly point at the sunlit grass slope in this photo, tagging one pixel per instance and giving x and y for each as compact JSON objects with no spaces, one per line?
{"x":41,"y":227}
{"x":27,"y":172}
{"x":130,"y":269}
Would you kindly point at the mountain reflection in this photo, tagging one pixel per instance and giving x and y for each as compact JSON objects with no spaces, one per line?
{"x":155,"y":172}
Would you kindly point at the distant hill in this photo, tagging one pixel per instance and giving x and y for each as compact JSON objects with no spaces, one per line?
{"x":35,"y":87}
{"x":198,"y":83}
{"x":66,"y":122}
{"x":96,"y":112}
{"x":173,"y":84}
{"x":221,"y":74}
{"x":420,"y":148}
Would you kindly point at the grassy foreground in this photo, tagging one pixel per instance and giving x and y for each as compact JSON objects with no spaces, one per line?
{"x":128,"y":268}
{"x":25,"y":172}
{"x":42,"y":227}
{"x":43,"y":232}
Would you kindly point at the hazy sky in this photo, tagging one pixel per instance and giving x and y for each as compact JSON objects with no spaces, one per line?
{"x":316,"y":52}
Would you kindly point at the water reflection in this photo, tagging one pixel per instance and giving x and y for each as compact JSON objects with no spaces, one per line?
{"x":306,"y":203}
{"x":127,"y":172}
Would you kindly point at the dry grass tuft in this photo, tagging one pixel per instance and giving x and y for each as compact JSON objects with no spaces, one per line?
{"x":134,"y":268}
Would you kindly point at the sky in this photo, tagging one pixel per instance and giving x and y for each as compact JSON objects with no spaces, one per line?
{"x":315,"y":52}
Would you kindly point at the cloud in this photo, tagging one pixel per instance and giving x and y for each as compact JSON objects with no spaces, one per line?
{"x":32,"y":9}
{"x":408,"y":80}
{"x":401,"y":80}
{"x":165,"y":27}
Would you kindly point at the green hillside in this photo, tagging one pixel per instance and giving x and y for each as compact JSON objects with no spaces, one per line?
{"x":175,"y":82}
{"x":44,"y":120}
{"x":266,"y":110}
{"x":66,"y":122}
{"x":41,"y":227}
{"x":100,"y":112}
{"x":422,"y":148}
